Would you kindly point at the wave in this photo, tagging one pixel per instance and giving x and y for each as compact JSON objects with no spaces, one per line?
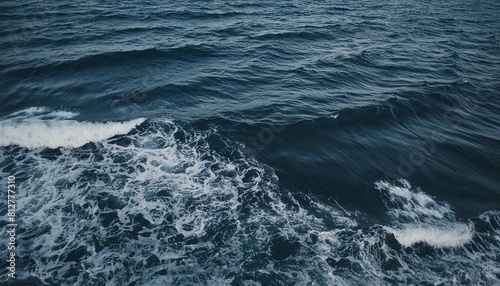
{"x":306,"y":34}
{"x":168,"y":204}
{"x":452,"y":235}
{"x":39,"y":127}
{"x":417,"y":217}
{"x":206,"y":15}
{"x":117,"y":58}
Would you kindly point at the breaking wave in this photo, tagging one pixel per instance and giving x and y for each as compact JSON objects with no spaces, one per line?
{"x":37,"y":127}
{"x":166,"y":204}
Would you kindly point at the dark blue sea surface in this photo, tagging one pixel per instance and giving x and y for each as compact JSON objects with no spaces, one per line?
{"x":251,"y":142}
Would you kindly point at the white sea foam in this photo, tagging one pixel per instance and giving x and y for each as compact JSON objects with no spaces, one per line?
{"x":411,"y":204}
{"x":186,"y":193}
{"x":417,"y":217}
{"x":164,"y":207}
{"x":34,"y":128}
{"x":452,"y":235}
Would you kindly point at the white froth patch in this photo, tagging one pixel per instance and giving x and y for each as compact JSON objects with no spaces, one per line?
{"x":417,"y":217}
{"x":32,"y":130}
{"x":66,"y":133}
{"x":447,"y":236}
{"x":327,"y":239}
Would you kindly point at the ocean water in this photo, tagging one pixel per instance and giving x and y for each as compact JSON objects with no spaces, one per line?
{"x":251,"y":142}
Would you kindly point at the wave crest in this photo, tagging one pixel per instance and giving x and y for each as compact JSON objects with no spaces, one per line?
{"x":36,"y":128}
{"x":417,"y":217}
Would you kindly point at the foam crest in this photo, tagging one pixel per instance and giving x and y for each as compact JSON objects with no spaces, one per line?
{"x":452,"y":235}
{"x":34,"y":128}
{"x":411,"y":204}
{"x":417,"y":217}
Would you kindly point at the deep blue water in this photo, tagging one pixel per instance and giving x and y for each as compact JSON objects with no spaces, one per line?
{"x":251,"y":143}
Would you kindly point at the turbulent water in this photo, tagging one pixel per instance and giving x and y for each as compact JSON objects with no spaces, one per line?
{"x":251,"y":143}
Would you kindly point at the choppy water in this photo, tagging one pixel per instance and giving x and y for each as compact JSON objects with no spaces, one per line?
{"x":252,"y":143}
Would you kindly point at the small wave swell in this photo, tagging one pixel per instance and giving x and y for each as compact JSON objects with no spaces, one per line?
{"x":36,"y":128}
{"x":417,"y":217}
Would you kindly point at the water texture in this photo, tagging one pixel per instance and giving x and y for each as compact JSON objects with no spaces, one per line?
{"x":251,"y":143}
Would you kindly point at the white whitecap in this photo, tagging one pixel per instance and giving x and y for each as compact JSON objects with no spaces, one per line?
{"x":453,"y":235}
{"x":418,"y":217}
{"x":35,"y":128}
